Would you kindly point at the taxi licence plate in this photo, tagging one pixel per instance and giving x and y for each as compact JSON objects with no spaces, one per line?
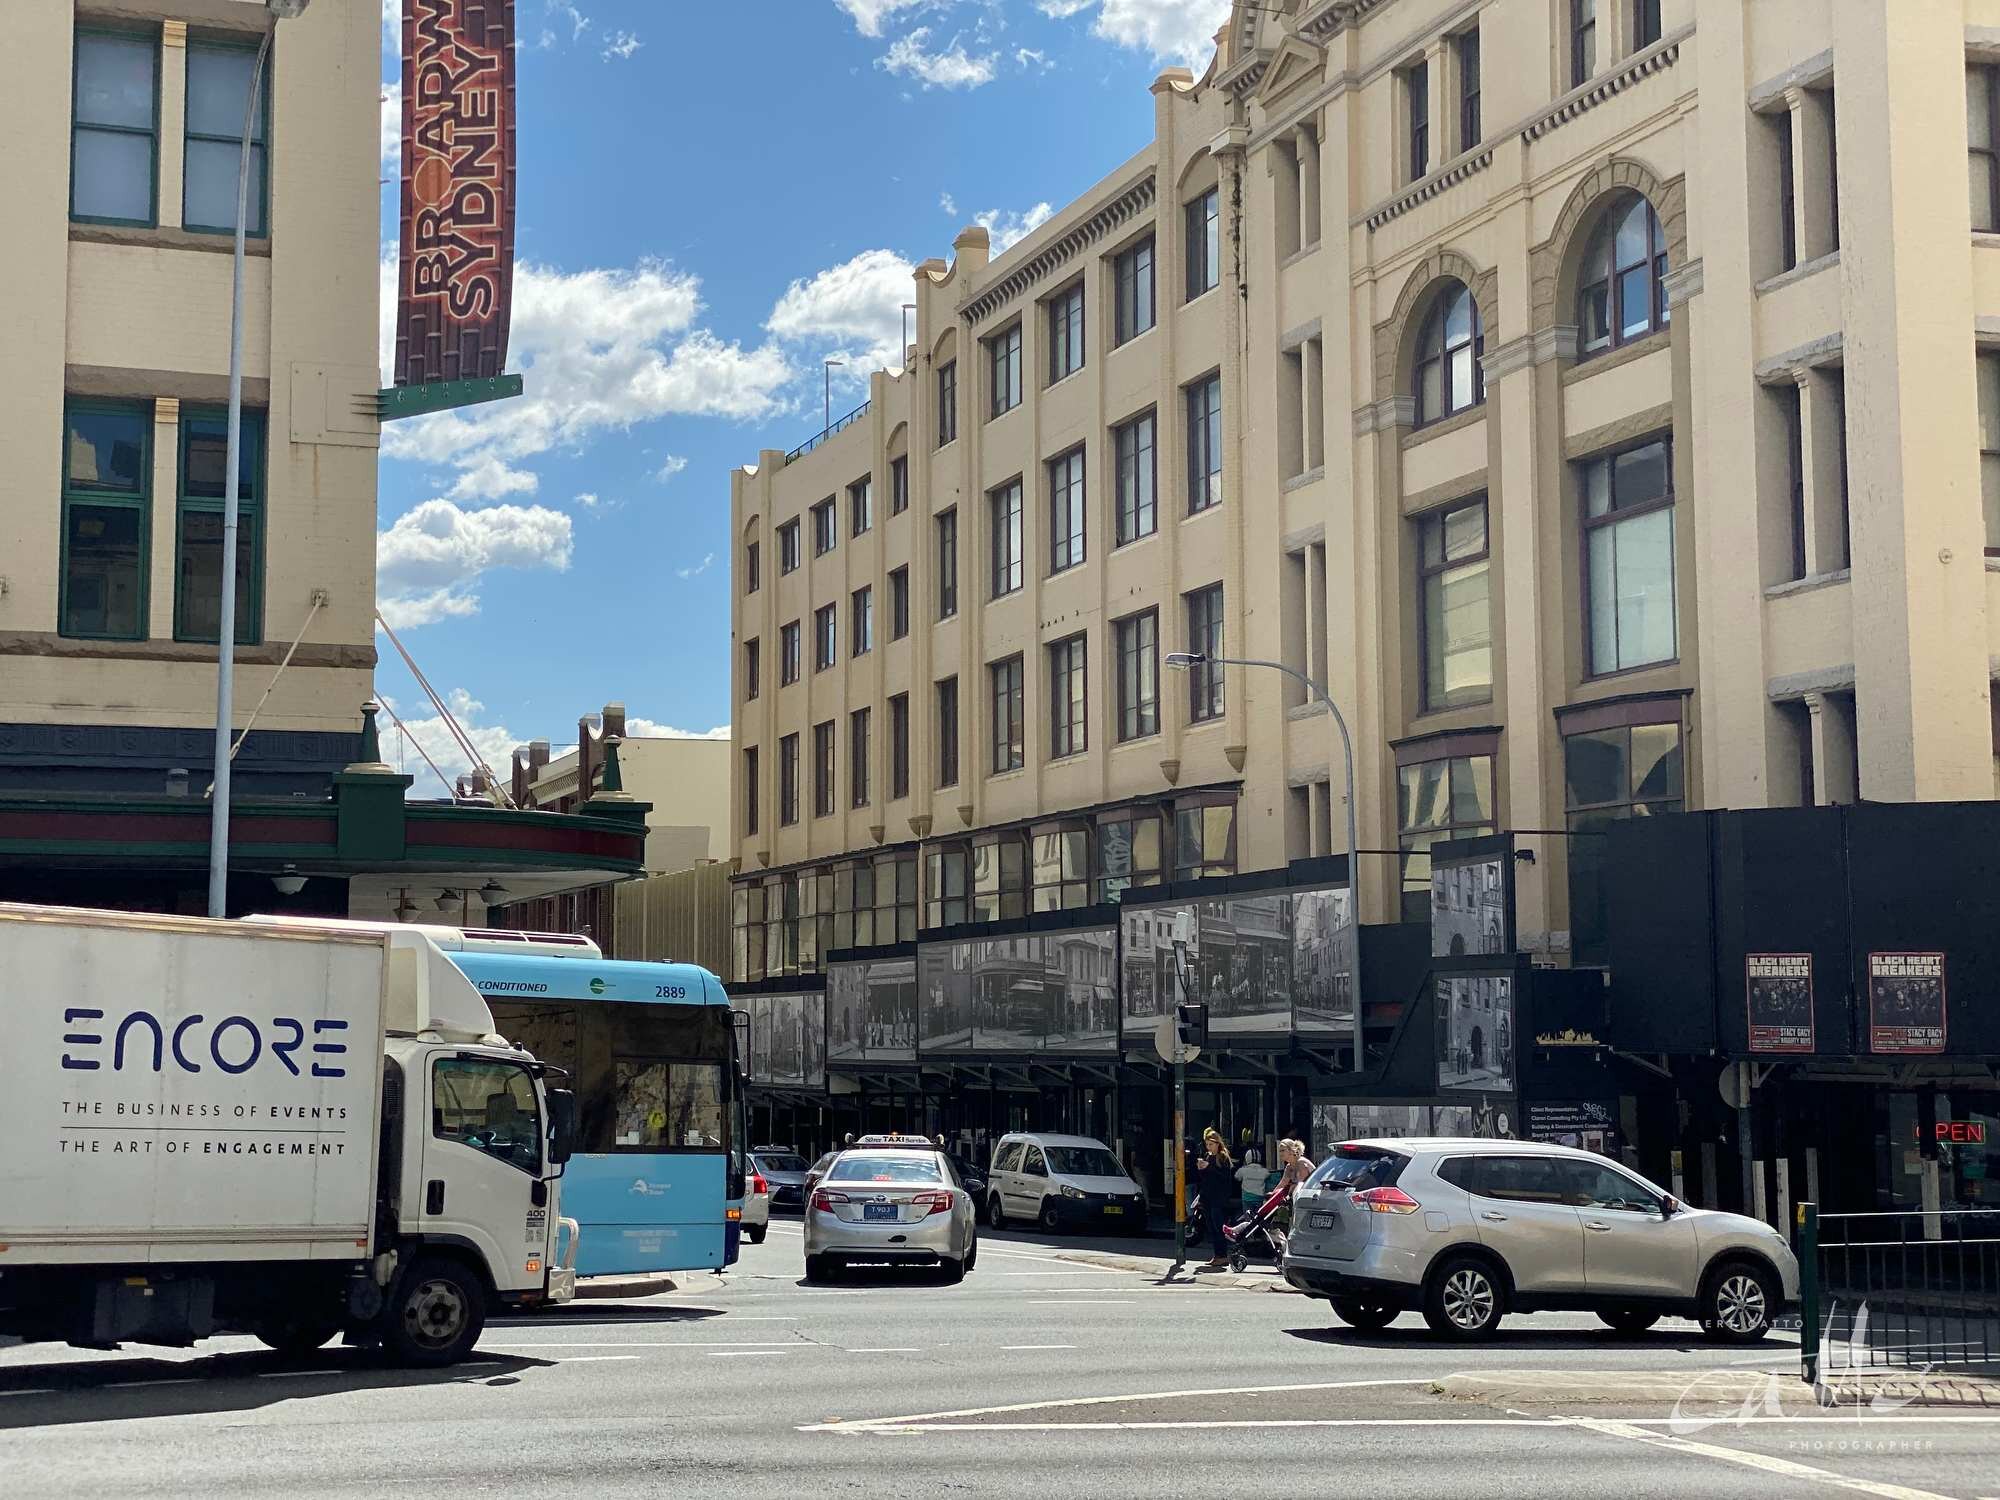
{"x":878,"y":1211}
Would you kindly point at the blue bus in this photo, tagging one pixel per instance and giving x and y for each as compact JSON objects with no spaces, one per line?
{"x":656,"y":1182}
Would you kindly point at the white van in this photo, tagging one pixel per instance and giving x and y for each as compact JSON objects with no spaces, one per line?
{"x":1061,"y":1181}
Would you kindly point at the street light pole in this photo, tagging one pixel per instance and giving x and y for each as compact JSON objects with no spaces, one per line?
{"x":1185,"y":659}
{"x":225,"y":672}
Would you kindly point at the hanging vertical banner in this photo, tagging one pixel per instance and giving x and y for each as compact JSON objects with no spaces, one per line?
{"x":1778,"y":1001}
{"x":456,"y":277}
{"x":1906,"y":1001}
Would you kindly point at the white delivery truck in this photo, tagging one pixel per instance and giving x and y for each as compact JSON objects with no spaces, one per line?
{"x":289,"y":1131}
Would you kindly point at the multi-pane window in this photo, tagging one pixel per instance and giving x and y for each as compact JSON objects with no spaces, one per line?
{"x":1003,"y":370}
{"x":823,"y":794}
{"x":861,"y":621}
{"x":1068,"y":698}
{"x":1417,"y":101}
{"x":753,"y":567}
{"x":947,"y":392}
{"x":204,"y":464}
{"x":1204,"y":443}
{"x":115,"y":130}
{"x":947,"y":872}
{"x":788,"y":654}
{"x":1982,"y":136}
{"x":1624,"y":771}
{"x":218,"y":94}
{"x":1138,"y":478}
{"x":106,"y":499}
{"x":1065,"y":333}
{"x":1623,"y":288}
{"x":788,"y":547}
{"x":1204,"y":243}
{"x":1132,"y":272}
{"x":788,"y":780}
{"x":1628,"y":521}
{"x":1204,"y":638}
{"x":1127,"y":853}
{"x":750,"y":790}
{"x":1457,"y":621}
{"x":1449,"y":376}
{"x":947,"y":732}
{"x":1138,"y":641}
{"x":753,"y":668}
{"x":1204,"y":839}
{"x":1061,"y":867}
{"x":1467,"y":43}
{"x":1009,"y":714}
{"x":899,"y":603}
{"x":861,"y":503}
{"x":999,"y":877}
{"x":899,"y":486}
{"x":857,"y":756}
{"x":826,"y":638}
{"x":826,"y":529}
{"x":1438,"y":800}
{"x":1645,"y":23}
{"x":1582,"y":41}
{"x":1989,"y":448}
{"x":947,"y":563}
{"x":1066,"y":521}
{"x":899,"y":746}
{"x":1004,"y":507}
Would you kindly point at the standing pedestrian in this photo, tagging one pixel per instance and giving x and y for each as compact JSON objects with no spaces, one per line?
{"x":1215,"y":1180}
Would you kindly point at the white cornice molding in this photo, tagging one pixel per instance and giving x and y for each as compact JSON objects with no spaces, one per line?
{"x":1060,"y":251}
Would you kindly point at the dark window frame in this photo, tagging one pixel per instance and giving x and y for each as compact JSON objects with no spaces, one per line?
{"x":1582,"y":42}
{"x":1007,"y":694}
{"x":788,"y":781}
{"x":1069,"y":696}
{"x":1653,"y":267}
{"x":1068,"y":510}
{"x":861,"y":620}
{"x":1645,"y":23}
{"x":753,"y":567}
{"x":1202,"y":227}
{"x":825,"y":769}
{"x":1134,"y":274}
{"x":791,"y":653}
{"x":749,"y":790}
{"x":826,"y":637}
{"x":1138,"y":507}
{"x":945,"y":695}
{"x":899,"y":746}
{"x":899,"y":602}
{"x":1067,"y":347}
{"x":945,"y":535}
{"x":252,"y":509}
{"x":1136,"y":664}
{"x":1438,"y":347}
{"x":151,"y":36}
{"x":259,"y":225}
{"x":1204,"y":441}
{"x":1007,"y":537}
{"x":899,"y":485}
{"x":947,"y":393}
{"x":1466,"y":44}
{"x":1417,"y":107}
{"x":1203,"y":611}
{"x":1614,"y":516}
{"x":859,"y":730}
{"x":790,"y":553}
{"x":861,"y":505}
{"x":1460,"y":775}
{"x":826,"y":526}
{"x":1003,"y":371}
{"x":753,"y":668}
{"x":1436,"y":573}
{"x":138,"y":502}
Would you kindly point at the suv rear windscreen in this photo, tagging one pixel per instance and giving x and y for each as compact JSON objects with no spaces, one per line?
{"x":1358,"y":1167}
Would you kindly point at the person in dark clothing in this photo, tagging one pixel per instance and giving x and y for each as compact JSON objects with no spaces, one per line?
{"x":1215,"y":1180}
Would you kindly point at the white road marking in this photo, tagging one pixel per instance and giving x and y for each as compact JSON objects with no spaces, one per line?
{"x":133,"y":1385}
{"x":1092,"y":1271}
{"x":889,"y":1428}
{"x":591,"y":1359}
{"x":1078,"y":1302}
{"x":40,"y":1390}
{"x":641,"y":1344}
{"x":764,"y":1318}
{"x":294,"y":1374}
{"x":990,"y":1411}
{"x":888,"y":1349}
{"x":748,"y":1353}
{"x":1015,"y":1348}
{"x":1768,"y":1463}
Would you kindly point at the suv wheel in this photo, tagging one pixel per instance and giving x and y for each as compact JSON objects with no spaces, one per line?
{"x":1738,"y":1302}
{"x":1465,"y":1299}
{"x":1369,"y":1317}
{"x":1628,"y":1320}
{"x":996,"y":1216}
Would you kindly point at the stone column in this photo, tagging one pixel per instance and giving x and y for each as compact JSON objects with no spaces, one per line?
{"x":1812,"y":171}
{"x":1820,"y":441}
{"x":163,"y":565}
{"x":173,"y":120}
{"x":1832,"y":730}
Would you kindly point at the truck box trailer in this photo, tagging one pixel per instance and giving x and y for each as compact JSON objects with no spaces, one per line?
{"x":290,"y":1131}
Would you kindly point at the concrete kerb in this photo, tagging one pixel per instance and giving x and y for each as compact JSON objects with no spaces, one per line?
{"x":1228,"y":1281}
{"x":626,"y":1288}
{"x":1712,"y":1390}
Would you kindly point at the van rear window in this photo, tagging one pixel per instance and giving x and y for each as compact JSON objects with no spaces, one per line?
{"x":1357,"y":1167}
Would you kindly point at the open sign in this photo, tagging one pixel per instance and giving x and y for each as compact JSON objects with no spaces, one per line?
{"x":1962,"y":1132}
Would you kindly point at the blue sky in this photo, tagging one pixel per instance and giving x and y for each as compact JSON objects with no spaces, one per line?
{"x":713,"y":199}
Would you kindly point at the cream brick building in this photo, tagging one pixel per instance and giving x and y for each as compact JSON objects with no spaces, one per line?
{"x":119,"y":173}
{"x":1600,"y":418}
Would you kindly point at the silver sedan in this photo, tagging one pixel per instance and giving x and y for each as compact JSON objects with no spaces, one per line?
{"x":890,"y":1206}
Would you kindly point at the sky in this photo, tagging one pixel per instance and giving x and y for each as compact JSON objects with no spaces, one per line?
{"x":713,"y":199}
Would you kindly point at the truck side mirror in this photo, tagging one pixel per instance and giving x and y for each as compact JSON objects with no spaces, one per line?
{"x":562,"y":1125}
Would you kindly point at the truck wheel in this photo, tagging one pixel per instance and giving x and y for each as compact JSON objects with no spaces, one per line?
{"x":437,"y":1314}
{"x":296,"y":1337}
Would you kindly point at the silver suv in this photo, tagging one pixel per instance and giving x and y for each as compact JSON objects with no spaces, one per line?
{"x":1466,"y":1231}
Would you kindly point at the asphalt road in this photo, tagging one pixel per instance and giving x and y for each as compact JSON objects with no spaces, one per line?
{"x":1036,"y":1375}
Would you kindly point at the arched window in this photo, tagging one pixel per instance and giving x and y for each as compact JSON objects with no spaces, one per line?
{"x":1622,"y":291}
{"x":1448,"y":376}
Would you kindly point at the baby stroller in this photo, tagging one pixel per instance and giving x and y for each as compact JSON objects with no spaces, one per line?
{"x":1258,"y":1234}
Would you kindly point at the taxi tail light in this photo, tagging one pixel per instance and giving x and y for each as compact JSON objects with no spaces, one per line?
{"x":1385,"y":1200}
{"x":823,"y":1201}
{"x":933,"y":1203}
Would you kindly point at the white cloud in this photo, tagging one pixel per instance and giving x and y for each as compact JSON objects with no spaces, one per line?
{"x":666,"y":471}
{"x":428,"y":563}
{"x":698,"y":569}
{"x":948,"y":203}
{"x":579,"y":23}
{"x":953,"y":68}
{"x":859,"y":301}
{"x":868,"y":15}
{"x":1181,"y":31}
{"x":647,"y":729}
{"x":392,"y":128}
{"x":490,"y":479}
{"x":494,"y":742}
{"x":1005,"y":229}
{"x":599,"y":351}
{"x":622,"y":45}
{"x":1030,"y":57}
{"x":588,"y":500}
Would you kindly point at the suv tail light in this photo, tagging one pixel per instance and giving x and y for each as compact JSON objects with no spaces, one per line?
{"x":758,"y":1184}
{"x":1385,"y":1200}
{"x":932,"y":1203}
{"x":823,"y":1201}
